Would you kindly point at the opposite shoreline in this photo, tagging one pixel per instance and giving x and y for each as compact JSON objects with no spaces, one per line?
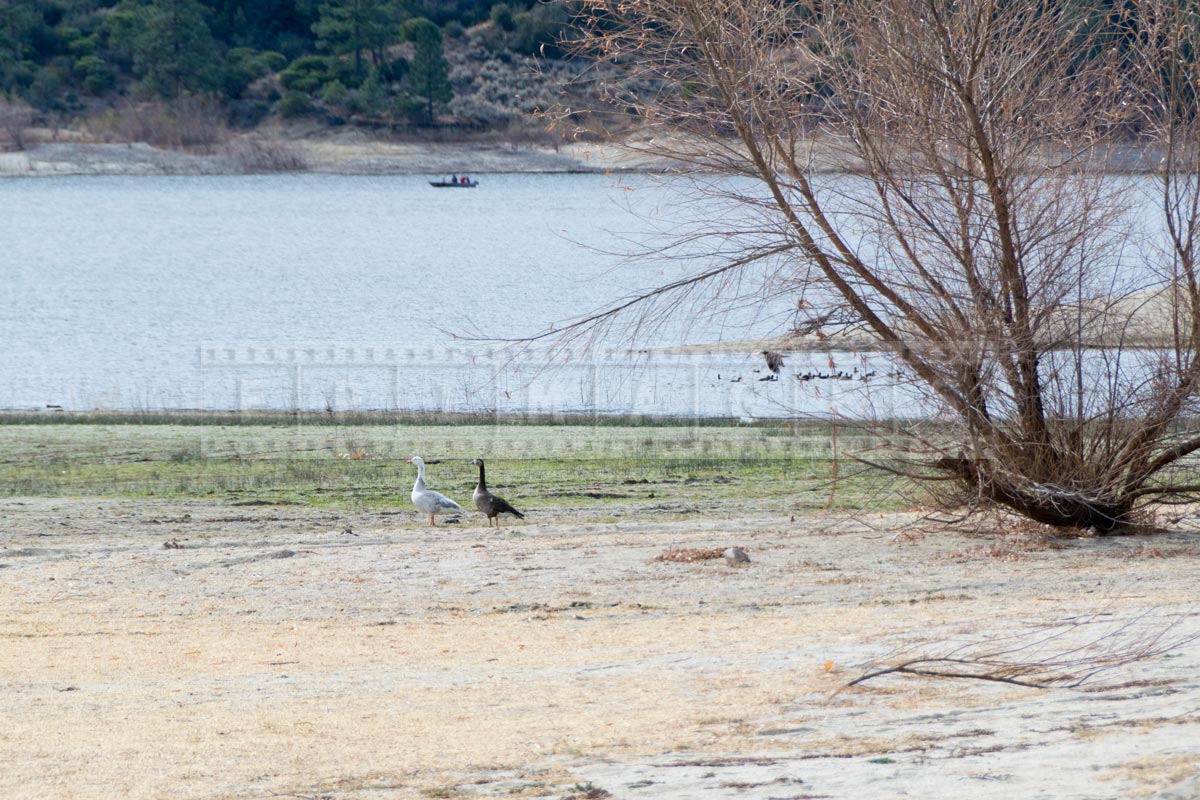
{"x":354,"y":157}
{"x":66,"y":153}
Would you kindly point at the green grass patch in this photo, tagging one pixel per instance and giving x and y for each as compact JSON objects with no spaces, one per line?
{"x":351,"y":465}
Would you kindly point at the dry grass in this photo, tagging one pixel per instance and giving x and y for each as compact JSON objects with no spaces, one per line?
{"x":1145,"y":551}
{"x":261,"y":156}
{"x":15,"y":120}
{"x":1154,"y":773}
{"x":184,"y":122}
{"x":1008,"y":549}
{"x":690,"y":555}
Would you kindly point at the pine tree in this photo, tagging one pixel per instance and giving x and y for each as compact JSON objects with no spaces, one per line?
{"x":174,"y":51}
{"x":18,"y":20}
{"x":355,"y":26}
{"x":429,"y":73}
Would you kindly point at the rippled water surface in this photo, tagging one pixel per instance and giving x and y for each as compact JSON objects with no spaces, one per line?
{"x":340,"y":292}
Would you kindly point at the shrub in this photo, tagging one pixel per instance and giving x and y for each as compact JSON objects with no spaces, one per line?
{"x":244,"y":65}
{"x":502,"y":18}
{"x":396,"y":69}
{"x":97,"y":76}
{"x":372,"y":96}
{"x":24,"y":74}
{"x":199,"y":120}
{"x":67,"y":35}
{"x":14,"y":123}
{"x":335,"y":95}
{"x":493,"y":40}
{"x":539,"y":30}
{"x":305,"y":74}
{"x":480,"y":112}
{"x":247,"y":113}
{"x":258,"y":155}
{"x":294,"y":104}
{"x":407,"y":106}
{"x":273,"y":61}
{"x":343,"y":70}
{"x":241,"y":55}
{"x":85,"y":46}
{"x":187,"y":121}
{"x":45,"y":92}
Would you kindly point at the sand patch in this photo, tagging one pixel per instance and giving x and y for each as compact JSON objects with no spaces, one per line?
{"x":269,"y":653}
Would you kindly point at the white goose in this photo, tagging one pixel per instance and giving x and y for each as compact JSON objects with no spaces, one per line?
{"x":428,"y":500}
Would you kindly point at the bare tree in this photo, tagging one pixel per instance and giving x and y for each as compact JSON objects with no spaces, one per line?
{"x":945,"y":176}
{"x":15,"y":120}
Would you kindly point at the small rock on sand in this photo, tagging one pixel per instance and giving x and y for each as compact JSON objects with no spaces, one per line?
{"x":736,"y":555}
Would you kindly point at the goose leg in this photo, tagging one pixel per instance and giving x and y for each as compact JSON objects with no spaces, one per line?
{"x":431,"y":522}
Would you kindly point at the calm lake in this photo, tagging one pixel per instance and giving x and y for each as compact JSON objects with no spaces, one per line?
{"x":356,"y":293}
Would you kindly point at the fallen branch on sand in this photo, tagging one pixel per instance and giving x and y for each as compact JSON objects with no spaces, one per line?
{"x":1065,"y":654}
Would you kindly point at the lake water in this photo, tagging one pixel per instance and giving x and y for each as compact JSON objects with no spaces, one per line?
{"x":355,"y":293}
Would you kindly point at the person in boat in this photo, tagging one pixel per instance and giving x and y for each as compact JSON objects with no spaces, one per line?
{"x":454,"y":179}
{"x":464,"y":180}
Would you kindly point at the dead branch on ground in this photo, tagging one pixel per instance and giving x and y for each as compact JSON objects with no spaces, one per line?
{"x":1067,"y":654}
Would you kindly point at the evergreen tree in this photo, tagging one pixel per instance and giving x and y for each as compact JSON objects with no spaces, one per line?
{"x":372,"y":95}
{"x":429,"y":72}
{"x":265,"y":24}
{"x":357,"y":26}
{"x":175,"y":52}
{"x":121,"y":29}
{"x":18,"y":21}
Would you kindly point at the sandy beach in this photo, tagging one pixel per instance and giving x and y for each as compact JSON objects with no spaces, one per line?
{"x":193,"y":649}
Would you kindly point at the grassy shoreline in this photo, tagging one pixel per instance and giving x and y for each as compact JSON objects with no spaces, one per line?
{"x":324,"y":418}
{"x":355,"y":461}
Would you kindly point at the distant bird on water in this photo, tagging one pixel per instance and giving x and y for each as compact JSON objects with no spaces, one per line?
{"x":488,"y":503}
{"x":774,"y":360}
{"x":428,"y":500}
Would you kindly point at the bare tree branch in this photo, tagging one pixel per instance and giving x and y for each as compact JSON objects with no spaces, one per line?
{"x":949,"y":177}
{"x":1066,"y":655}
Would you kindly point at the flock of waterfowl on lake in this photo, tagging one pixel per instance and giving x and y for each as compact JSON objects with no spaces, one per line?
{"x":434,"y":503}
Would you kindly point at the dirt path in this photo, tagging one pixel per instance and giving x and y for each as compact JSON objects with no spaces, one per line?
{"x":176,"y":650}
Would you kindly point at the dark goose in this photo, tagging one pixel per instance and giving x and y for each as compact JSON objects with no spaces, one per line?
{"x":488,"y":503}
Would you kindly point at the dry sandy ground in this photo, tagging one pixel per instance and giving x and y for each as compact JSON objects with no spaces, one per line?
{"x":187,"y":650}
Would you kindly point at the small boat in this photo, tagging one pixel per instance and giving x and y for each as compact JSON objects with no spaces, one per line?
{"x":455,"y":183}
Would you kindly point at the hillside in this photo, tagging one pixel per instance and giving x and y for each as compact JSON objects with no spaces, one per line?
{"x":186,"y":73}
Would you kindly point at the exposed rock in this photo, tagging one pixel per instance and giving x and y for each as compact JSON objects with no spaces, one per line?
{"x":736,"y":555}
